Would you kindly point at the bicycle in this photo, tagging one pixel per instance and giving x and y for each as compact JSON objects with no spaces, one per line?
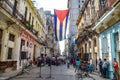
{"x":79,"y":75}
{"x":26,"y":68}
{"x":82,"y":73}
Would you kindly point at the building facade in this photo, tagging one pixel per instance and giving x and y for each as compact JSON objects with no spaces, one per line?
{"x":20,"y":31}
{"x":74,"y":7}
{"x":87,"y":40}
{"x":50,"y":33}
{"x":108,"y":27}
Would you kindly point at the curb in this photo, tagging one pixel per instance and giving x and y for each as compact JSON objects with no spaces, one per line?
{"x":13,"y":74}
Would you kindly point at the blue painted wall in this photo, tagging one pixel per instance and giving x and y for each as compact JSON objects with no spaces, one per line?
{"x":107,"y":45}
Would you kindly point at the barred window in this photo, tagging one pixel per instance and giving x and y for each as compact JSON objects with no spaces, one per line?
{"x":1,"y":34}
{"x":10,"y":53}
{"x":26,"y":13}
{"x":85,"y":47}
{"x":102,"y":3}
{"x":89,"y":44}
{"x":11,"y":37}
{"x":95,"y":42}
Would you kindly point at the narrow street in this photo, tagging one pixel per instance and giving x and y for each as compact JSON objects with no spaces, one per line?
{"x":83,"y":33}
{"x":58,"y":73}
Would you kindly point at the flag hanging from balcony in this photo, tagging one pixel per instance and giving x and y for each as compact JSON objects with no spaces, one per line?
{"x":60,"y":24}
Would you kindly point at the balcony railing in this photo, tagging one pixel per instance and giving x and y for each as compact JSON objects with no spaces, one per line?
{"x":20,"y":16}
{"x":9,"y":8}
{"x":7,"y":5}
{"x":108,"y":4}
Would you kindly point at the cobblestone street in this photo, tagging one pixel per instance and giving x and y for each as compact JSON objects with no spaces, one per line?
{"x":58,"y":73}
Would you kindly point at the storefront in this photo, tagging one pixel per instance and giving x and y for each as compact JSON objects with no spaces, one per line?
{"x":109,"y":44}
{"x":26,"y":47}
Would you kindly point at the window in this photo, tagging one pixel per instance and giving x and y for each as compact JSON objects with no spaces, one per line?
{"x":32,"y":20}
{"x":36,"y":25}
{"x":11,"y":37}
{"x":82,"y":1}
{"x":85,"y":47}
{"x":0,"y":35}
{"x":102,"y":3}
{"x":23,"y":42}
{"x":10,"y":53}
{"x":90,"y":56}
{"x":79,"y":6}
{"x":29,"y":17}
{"x":27,"y":44}
{"x":25,"y":13}
{"x":95,"y":42}
{"x":85,"y":16}
{"x":0,"y":49}
{"x":89,"y":44}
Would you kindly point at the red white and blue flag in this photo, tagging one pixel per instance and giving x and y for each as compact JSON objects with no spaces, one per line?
{"x":60,"y":24}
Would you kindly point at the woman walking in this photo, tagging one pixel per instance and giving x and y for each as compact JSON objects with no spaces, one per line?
{"x":77,"y":65}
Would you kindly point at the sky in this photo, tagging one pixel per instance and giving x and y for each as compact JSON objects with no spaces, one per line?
{"x":51,"y":5}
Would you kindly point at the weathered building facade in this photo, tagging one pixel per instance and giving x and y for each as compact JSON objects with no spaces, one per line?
{"x":101,"y":17}
{"x":108,"y":27}
{"x":87,"y":39}
{"x":20,"y":31}
{"x":74,"y":7}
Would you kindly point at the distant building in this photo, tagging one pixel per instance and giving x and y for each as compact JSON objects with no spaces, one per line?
{"x":74,"y":7}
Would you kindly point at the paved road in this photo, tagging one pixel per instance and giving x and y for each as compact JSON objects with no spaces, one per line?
{"x":58,"y":73}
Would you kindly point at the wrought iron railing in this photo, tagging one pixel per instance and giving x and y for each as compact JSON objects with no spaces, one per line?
{"x":7,"y":5}
{"x":108,"y":4}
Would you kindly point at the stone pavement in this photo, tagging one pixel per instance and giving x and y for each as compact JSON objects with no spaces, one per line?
{"x":7,"y":75}
{"x":58,"y":73}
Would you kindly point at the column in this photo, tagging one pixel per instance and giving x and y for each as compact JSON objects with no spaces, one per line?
{"x":111,"y":50}
{"x":18,"y":43}
{"x":100,"y":46}
{"x":4,"y":46}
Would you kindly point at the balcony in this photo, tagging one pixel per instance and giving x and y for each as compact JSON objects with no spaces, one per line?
{"x":7,"y":5}
{"x":107,"y":5}
{"x":107,"y":15}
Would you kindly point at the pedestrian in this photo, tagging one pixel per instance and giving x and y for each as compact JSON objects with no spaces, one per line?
{"x":116,"y":69}
{"x":90,"y":67}
{"x":105,"y":68}
{"x":74,"y":63}
{"x":100,"y":66}
{"x":68,"y":63}
{"x":77,"y":65}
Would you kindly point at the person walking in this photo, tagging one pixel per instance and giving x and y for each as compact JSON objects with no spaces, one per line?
{"x":77,"y":65}
{"x":100,"y":66}
{"x":74,"y":63}
{"x":116,"y":69}
{"x":90,"y":67}
{"x":105,"y":68}
{"x":68,"y":63}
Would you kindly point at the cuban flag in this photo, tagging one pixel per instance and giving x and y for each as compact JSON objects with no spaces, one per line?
{"x":60,"y":24}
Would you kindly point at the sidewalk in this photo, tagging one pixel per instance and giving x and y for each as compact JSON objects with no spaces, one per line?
{"x":8,"y":75}
{"x":96,"y":76}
